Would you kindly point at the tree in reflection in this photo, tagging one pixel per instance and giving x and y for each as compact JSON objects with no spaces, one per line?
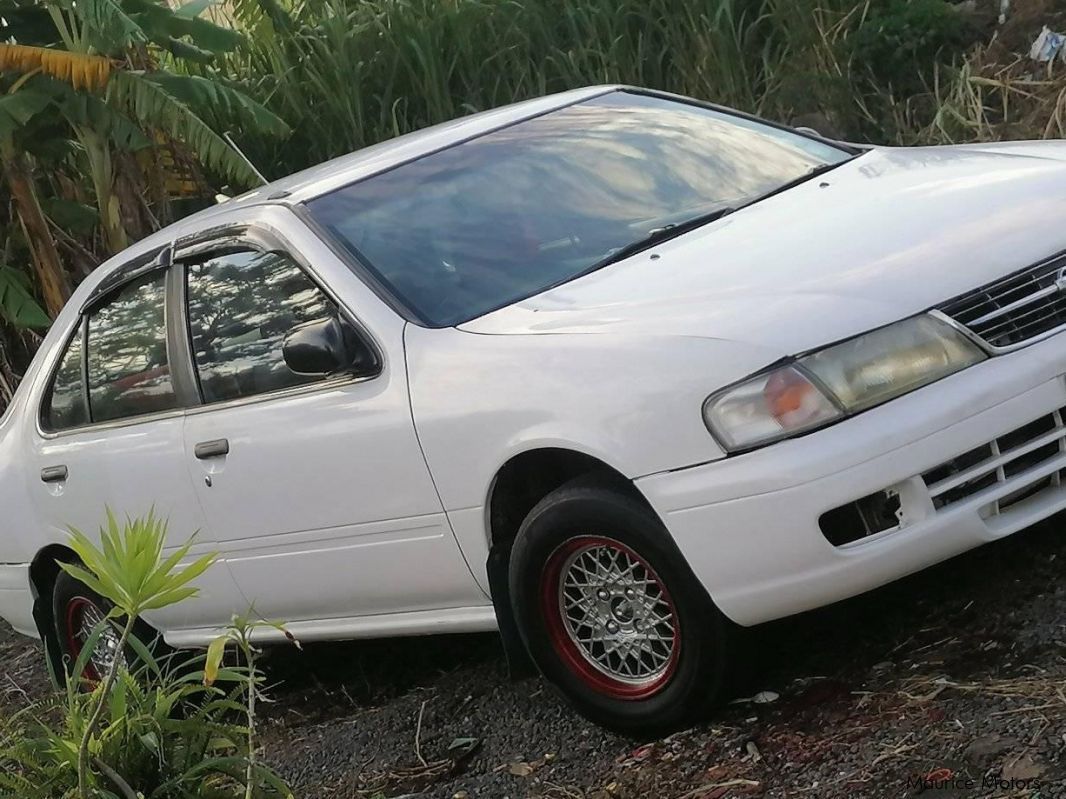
{"x":128,"y":371}
{"x":242,"y":305}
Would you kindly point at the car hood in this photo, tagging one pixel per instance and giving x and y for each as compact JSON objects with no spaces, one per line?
{"x":888,"y":234}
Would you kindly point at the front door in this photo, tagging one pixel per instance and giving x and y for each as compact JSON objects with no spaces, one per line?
{"x":316,"y":487}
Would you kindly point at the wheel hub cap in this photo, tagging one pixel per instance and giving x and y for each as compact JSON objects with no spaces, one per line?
{"x":613,"y":617}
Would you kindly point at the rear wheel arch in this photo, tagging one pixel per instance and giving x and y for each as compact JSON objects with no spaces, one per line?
{"x":519,"y":484}
{"x":44,"y":569}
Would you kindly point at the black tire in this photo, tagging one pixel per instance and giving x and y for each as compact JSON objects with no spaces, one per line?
{"x":591,"y":518}
{"x":71,"y":599}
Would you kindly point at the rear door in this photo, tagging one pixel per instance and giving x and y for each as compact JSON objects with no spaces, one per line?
{"x":110,"y":436}
{"x":315,"y":487}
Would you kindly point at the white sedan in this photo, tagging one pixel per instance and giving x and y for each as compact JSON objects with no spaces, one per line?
{"x":615,"y":372}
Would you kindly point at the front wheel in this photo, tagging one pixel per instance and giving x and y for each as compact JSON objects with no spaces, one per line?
{"x":613,"y":616}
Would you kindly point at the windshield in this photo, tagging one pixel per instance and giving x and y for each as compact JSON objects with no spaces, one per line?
{"x":480,"y":225}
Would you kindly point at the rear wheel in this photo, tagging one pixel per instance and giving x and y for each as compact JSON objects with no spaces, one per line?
{"x":613,"y":616}
{"x":77,"y":611}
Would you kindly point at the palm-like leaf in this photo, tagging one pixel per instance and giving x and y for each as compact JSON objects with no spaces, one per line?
{"x":17,"y":305}
{"x":110,"y":26}
{"x":128,"y":566}
{"x":89,"y":111}
{"x":220,"y":105}
{"x":19,"y":108}
{"x":151,"y":105}
{"x":80,"y":70}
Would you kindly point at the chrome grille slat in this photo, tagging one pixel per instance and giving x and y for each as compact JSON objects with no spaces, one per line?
{"x":1028,"y":299}
{"x":1014,"y":309}
{"x":1056,"y":310}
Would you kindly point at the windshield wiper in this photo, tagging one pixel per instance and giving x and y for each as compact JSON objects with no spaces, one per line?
{"x":811,"y":173}
{"x":658,"y":236}
{"x":667,"y":232}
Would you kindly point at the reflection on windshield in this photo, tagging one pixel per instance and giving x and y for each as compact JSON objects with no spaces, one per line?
{"x":485,"y":223}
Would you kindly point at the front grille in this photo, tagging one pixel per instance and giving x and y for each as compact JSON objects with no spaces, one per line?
{"x":1016,"y":308}
{"x":1015,"y":458}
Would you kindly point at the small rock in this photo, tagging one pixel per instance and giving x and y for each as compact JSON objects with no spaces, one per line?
{"x":1023,"y":768}
{"x":765,"y":697}
{"x":981,"y":750}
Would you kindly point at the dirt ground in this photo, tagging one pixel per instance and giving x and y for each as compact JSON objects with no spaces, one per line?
{"x":956,"y":676}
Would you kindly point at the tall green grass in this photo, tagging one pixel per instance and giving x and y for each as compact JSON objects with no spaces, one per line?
{"x":347,"y":73}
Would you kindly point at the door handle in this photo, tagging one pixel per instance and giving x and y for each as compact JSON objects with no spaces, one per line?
{"x":53,"y":474}
{"x":212,"y":449}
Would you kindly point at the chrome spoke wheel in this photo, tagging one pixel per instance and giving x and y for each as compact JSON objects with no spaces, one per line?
{"x":620,"y":628}
{"x":83,"y":617}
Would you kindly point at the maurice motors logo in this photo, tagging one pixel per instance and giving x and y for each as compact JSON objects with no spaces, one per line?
{"x":942,"y":778}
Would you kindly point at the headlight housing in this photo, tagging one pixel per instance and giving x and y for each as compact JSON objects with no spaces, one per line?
{"x":829,"y":384}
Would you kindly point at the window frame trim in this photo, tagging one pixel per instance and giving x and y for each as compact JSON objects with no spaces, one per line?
{"x":262,"y":238}
{"x":162,"y":263}
{"x":258,"y":235}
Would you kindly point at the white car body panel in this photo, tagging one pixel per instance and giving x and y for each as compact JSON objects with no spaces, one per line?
{"x":359,"y":508}
{"x":101,"y":462}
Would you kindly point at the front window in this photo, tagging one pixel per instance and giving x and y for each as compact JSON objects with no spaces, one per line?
{"x":242,"y":305}
{"x":483,"y":224}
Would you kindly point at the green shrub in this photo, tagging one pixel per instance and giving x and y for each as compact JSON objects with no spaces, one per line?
{"x":899,"y":42}
{"x":171,"y":727}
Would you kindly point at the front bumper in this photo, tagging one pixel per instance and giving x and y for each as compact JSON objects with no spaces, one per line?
{"x":748,"y":525}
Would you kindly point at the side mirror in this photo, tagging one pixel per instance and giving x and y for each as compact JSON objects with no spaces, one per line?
{"x":326,"y":348}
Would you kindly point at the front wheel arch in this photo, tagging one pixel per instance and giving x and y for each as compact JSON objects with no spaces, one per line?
{"x":705,"y":662}
{"x":520,"y":483}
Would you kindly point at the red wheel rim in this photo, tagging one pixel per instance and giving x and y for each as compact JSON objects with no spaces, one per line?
{"x":82,"y":616}
{"x":610,"y":617}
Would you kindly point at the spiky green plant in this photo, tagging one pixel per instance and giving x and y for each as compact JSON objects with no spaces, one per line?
{"x":129,"y":569}
{"x":170,"y":727}
{"x":240,"y":634}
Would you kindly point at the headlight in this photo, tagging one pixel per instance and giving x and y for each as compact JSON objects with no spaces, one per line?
{"x":843,"y":379}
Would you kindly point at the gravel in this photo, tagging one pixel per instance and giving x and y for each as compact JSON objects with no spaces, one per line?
{"x":955,"y":677}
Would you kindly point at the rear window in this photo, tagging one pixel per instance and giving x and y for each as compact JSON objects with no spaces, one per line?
{"x":128,"y":371}
{"x":65,"y":405}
